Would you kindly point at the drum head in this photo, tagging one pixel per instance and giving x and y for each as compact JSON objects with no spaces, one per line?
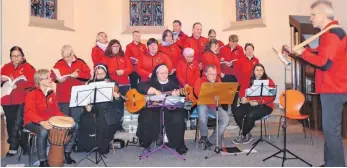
{"x":61,"y":121}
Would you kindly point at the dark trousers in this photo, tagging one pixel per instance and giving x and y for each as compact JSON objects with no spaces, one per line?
{"x":42,"y":137}
{"x":250,"y":114}
{"x":149,"y":127}
{"x":12,"y":112}
{"x":134,"y":79}
{"x":75,"y":113}
{"x":332,"y":106}
{"x":230,"y":78}
{"x":123,"y":90}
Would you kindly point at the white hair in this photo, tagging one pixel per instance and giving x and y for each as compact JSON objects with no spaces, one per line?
{"x":188,"y":51}
{"x":67,"y":50}
{"x":325,"y":6}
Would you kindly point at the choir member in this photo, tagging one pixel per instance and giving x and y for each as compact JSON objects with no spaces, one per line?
{"x":196,"y":42}
{"x":78,"y":73}
{"x":12,"y":104}
{"x":213,"y":35}
{"x":179,"y":36}
{"x":244,"y":65}
{"x":210,"y":56}
{"x":172,"y":50}
{"x":100,"y":47}
{"x":151,"y":59}
{"x":134,"y":50}
{"x":119,"y":67}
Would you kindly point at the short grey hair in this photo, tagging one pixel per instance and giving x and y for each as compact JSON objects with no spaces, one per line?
{"x":98,"y":36}
{"x":67,"y":50}
{"x":326,"y":6}
{"x":188,"y":51}
{"x":39,"y":74}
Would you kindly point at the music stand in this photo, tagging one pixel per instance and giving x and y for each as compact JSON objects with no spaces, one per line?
{"x":262,"y":91}
{"x":164,"y":104}
{"x":216,"y":94}
{"x":93,"y":93}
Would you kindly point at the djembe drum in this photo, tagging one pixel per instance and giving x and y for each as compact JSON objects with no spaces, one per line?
{"x":58,"y":137}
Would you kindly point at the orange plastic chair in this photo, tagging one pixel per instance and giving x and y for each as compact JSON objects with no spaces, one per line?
{"x":294,"y":101}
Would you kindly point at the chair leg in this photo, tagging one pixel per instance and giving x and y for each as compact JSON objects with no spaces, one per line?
{"x":266,"y":125}
{"x":114,"y":150}
{"x":279,"y":127}
{"x":20,"y":154}
{"x":241,"y":130}
{"x":309,"y":126}
{"x":31,"y":139}
{"x":197,"y":132}
{"x":303,"y":125}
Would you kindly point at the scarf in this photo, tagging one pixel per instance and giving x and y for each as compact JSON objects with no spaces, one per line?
{"x":102,"y":46}
{"x":164,"y":43}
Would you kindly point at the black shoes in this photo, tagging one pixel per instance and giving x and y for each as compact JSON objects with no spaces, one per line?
{"x":68,"y":159}
{"x":44,"y":163}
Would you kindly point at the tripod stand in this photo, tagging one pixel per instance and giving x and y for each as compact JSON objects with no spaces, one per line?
{"x":216,"y":94}
{"x":270,"y":94}
{"x":83,"y":95}
{"x":285,"y":150}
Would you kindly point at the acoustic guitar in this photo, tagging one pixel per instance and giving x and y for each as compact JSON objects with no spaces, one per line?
{"x":135,"y":101}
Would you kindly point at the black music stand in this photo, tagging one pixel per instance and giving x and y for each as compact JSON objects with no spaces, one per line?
{"x":284,"y":150}
{"x":262,"y":91}
{"x":216,"y":94}
{"x":92,"y":94}
{"x":162,"y":105}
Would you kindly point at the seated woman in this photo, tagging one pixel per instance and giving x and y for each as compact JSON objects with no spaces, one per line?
{"x":252,"y":109}
{"x":108,"y":118}
{"x":149,"y":119}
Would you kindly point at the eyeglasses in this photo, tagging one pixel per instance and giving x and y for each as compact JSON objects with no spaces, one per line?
{"x":211,"y":74}
{"x":16,"y":56}
{"x":101,"y":74}
{"x":189,"y":56}
{"x":315,"y":14}
{"x":116,"y":46}
{"x":46,"y":78}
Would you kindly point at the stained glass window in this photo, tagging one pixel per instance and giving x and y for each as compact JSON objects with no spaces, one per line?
{"x":44,"y":8}
{"x":248,"y":9}
{"x":146,"y":12}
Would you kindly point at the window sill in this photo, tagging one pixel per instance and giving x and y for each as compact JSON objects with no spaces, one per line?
{"x":48,"y":23}
{"x":144,"y":29}
{"x":247,"y":24}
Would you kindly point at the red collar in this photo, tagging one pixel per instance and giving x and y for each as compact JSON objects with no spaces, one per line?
{"x":334,"y":22}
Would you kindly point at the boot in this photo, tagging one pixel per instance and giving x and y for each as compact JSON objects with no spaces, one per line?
{"x":44,"y":163}
{"x":204,"y":143}
{"x":68,"y":159}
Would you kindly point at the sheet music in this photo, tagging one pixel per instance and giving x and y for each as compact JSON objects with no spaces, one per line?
{"x":84,"y":94}
{"x":255,"y":89}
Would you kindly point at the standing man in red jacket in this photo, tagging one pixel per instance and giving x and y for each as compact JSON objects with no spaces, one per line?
{"x":133,"y":51}
{"x":330,"y":59}
{"x":79,"y":74}
{"x":179,"y":36}
{"x":197,"y":42}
